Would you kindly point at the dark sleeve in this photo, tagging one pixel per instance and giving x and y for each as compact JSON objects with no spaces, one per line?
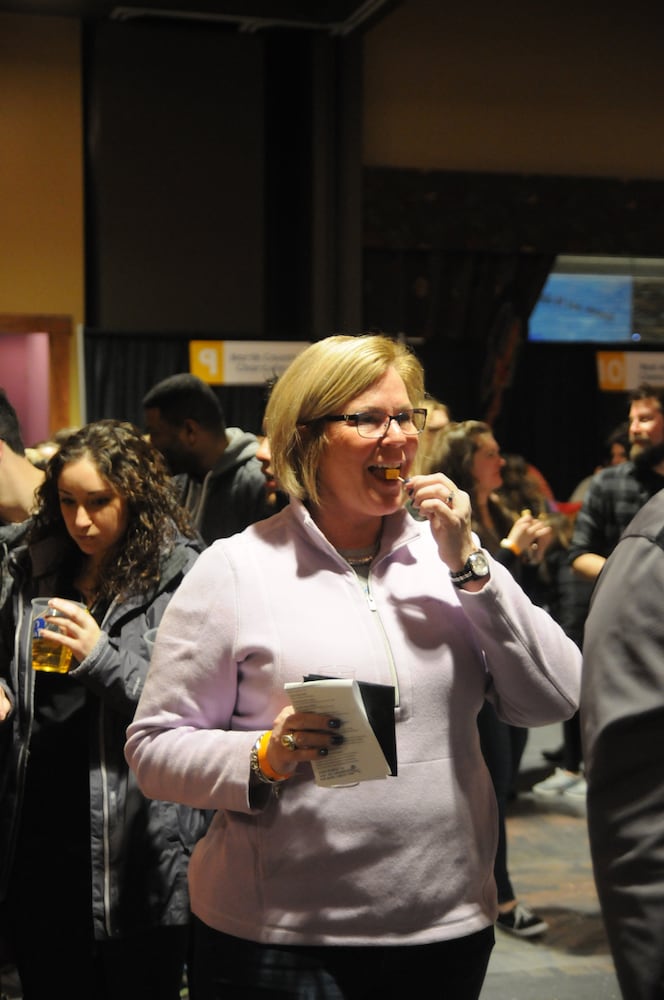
{"x":622,"y":724}
{"x":6,"y":612}
{"x":508,"y":559}
{"x":117,"y":666}
{"x":588,"y":534}
{"x":573,"y":598}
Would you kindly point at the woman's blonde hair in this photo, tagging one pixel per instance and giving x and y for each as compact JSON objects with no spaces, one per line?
{"x":319,"y":382}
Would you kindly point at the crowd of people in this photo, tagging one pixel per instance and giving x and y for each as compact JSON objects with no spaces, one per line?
{"x":177,"y":788}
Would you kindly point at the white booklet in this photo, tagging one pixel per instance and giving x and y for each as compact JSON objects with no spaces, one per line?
{"x":360,"y":757}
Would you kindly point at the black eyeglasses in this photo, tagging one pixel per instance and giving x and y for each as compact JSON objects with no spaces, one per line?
{"x":375,"y":423}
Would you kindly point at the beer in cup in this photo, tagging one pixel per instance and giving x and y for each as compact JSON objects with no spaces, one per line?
{"x":49,"y":656}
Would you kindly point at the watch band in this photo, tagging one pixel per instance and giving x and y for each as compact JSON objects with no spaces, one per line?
{"x":468,"y":572}
{"x":463,"y":576}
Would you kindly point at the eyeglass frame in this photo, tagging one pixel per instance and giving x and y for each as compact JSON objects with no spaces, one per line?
{"x":349,"y":417}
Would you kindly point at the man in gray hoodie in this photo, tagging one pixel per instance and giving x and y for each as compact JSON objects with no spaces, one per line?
{"x":220,"y":479}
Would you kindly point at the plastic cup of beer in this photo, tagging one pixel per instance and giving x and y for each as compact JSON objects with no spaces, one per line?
{"x":48,"y":656}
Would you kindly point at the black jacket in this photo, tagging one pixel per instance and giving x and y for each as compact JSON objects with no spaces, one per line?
{"x":139,"y":848}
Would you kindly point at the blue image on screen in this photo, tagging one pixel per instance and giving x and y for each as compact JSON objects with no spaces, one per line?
{"x":582,"y":307}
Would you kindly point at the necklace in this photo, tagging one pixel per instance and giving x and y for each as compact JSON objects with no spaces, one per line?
{"x":360,"y":557}
{"x":359,"y":560}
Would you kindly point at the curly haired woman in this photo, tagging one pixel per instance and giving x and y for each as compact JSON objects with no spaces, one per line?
{"x":92,"y":874}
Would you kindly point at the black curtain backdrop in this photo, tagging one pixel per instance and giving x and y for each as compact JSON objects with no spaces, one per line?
{"x":454,"y":263}
{"x":555,"y":414}
{"x":465,"y":313}
{"x":121,"y":367}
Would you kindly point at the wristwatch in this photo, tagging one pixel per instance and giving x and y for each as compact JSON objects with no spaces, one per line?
{"x":476,"y":568}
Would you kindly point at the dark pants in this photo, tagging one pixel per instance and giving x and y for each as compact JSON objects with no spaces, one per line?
{"x":146,"y":966}
{"x":229,"y":968}
{"x":502,"y":749}
{"x":572,"y":750}
{"x":47,"y":922}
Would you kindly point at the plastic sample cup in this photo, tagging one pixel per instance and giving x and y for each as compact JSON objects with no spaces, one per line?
{"x":48,"y":656}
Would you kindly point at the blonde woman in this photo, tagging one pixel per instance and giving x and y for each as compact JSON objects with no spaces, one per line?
{"x":361,"y":891}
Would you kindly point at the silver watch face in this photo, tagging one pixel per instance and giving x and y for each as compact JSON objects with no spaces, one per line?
{"x":478,"y":563}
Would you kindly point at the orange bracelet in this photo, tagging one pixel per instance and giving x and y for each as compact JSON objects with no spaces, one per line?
{"x":264,"y":763}
{"x":512,"y":546}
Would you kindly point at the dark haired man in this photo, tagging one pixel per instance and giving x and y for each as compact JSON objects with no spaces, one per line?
{"x":617,"y":493}
{"x":220,"y":479}
{"x":614,"y":496}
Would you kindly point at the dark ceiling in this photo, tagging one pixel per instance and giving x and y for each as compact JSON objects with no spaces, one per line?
{"x":336,"y":17}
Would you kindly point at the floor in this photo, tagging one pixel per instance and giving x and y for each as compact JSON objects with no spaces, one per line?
{"x":550,"y":869}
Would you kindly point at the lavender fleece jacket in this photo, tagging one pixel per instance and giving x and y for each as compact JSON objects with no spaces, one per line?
{"x":404,"y":860}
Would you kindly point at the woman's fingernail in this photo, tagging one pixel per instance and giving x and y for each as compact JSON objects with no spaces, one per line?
{"x":334,"y":723}
{"x":323,"y":752}
{"x":337,"y":740}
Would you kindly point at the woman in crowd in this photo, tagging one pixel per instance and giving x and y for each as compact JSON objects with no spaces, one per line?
{"x":92,"y":874}
{"x":300,"y":890}
{"x":524,"y":488}
{"x":516,"y":536}
{"x":275,"y":495}
{"x":438,"y":417}
{"x":469,"y":454}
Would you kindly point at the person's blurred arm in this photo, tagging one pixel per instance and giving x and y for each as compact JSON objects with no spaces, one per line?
{"x":5,"y":704}
{"x":588,"y":566}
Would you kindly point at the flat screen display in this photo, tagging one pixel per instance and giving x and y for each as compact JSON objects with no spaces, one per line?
{"x":599,"y":308}
{"x":581,"y":307}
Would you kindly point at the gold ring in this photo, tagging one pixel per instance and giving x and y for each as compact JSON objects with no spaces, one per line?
{"x":288,"y":741}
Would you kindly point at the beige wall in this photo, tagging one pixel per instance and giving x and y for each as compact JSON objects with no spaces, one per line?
{"x":41,"y":172}
{"x":570,"y":88}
